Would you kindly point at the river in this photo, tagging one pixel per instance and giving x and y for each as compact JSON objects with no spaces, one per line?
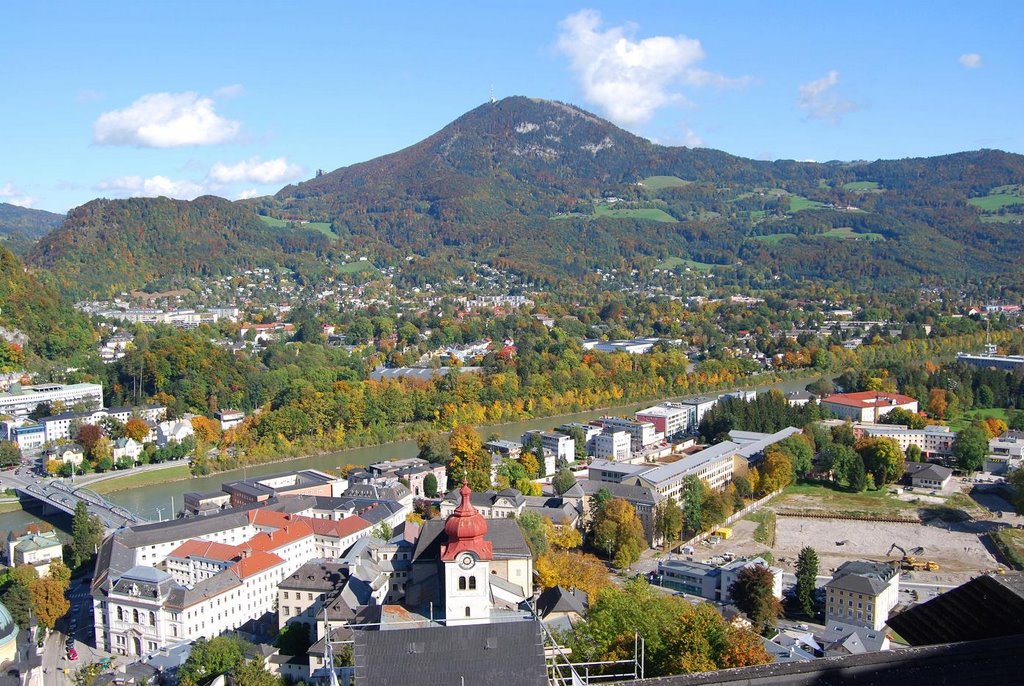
{"x":155,"y":501}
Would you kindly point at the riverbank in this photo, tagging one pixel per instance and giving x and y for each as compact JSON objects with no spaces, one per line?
{"x":119,"y":482}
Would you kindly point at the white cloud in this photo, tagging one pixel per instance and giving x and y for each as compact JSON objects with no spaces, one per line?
{"x":165,"y":120}
{"x":820,"y":101}
{"x":248,"y":193}
{"x":255,"y":170}
{"x":631,"y":79}
{"x":137,"y":186}
{"x":691,"y":139}
{"x":226,"y":92}
{"x":971,"y":60}
{"x":9,"y":194}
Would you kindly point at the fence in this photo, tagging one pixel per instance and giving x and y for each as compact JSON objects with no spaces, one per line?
{"x":736,"y":516}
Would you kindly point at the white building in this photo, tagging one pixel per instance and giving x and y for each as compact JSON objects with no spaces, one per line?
{"x":933,"y":441}
{"x":20,"y":401}
{"x":36,"y":549}
{"x":613,"y":445}
{"x":862,"y":593}
{"x":561,"y":446}
{"x":865,"y":407}
{"x":669,"y":419}
{"x":60,"y":427}
{"x":715,"y":466}
{"x":229,"y":419}
{"x":642,"y":435}
{"x":697,"y":408}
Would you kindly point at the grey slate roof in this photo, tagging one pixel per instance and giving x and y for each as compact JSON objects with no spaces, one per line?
{"x":318,"y":575}
{"x":634,"y":494}
{"x":860,"y":576}
{"x":473,"y":655}
{"x":560,"y":600}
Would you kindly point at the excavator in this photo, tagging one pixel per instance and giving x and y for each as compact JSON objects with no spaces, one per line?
{"x":910,"y":563}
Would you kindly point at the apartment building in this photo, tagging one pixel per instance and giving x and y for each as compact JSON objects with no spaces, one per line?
{"x":21,"y":401}
{"x":862,"y":593}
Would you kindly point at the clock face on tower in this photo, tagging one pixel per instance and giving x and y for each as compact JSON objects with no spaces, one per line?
{"x":466,"y":561}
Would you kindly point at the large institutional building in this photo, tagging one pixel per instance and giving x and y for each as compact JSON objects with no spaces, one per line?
{"x":866,"y":407}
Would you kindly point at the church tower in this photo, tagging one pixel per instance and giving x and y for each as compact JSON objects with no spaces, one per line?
{"x":466,"y":557}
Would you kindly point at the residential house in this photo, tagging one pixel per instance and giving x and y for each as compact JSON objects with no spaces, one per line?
{"x":862,"y":593}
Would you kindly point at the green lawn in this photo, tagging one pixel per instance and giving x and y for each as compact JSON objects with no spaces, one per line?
{"x":657,"y":183}
{"x":355,"y":267}
{"x":822,"y":496}
{"x":798,"y":203}
{"x":965,"y":418}
{"x":673,"y":262}
{"x":846,"y":233}
{"x":128,"y":481}
{"x":766,"y":522}
{"x":1011,"y":542}
{"x":1003,"y":196}
{"x":322,"y":227}
{"x":773,"y":239}
{"x":650,"y":213}
{"x":862,"y":186}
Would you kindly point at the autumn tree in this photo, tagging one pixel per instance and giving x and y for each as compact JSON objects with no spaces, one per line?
{"x":776,"y":470}
{"x":60,"y":573}
{"x":620,"y":533}
{"x":10,"y":454}
{"x":937,"y":403}
{"x":668,"y":521}
{"x":753,"y":593}
{"x":48,"y":601}
{"x":136,"y":429}
{"x":210,"y":658}
{"x":87,"y":435}
{"x":530,"y":464}
{"x":806,"y":579}
{"x":564,"y":537}
{"x":467,"y":455}
{"x":883,"y":459}
{"x":572,"y":569}
{"x":534,"y":531}
{"x":206,"y":430}
{"x":254,"y":673}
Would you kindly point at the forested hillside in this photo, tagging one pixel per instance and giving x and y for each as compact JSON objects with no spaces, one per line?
{"x":21,"y":226}
{"x":106,"y":246}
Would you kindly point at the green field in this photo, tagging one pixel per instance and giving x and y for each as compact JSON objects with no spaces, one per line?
{"x":818,"y":496}
{"x":657,"y":183}
{"x":798,"y":203}
{"x":1002,"y":196}
{"x":862,"y":186}
{"x":1011,"y":543}
{"x":649,"y":213}
{"x":673,"y":262}
{"x":354,"y":267}
{"x":849,"y":234}
{"x":155,"y":476}
{"x":965,"y":418}
{"x":322,"y":227}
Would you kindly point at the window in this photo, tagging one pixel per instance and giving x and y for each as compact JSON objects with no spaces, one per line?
{"x":286,"y":595}
{"x":462,"y":583}
{"x":120,"y":614}
{"x":135,"y":616}
{"x":467,"y":610}
{"x":472,"y":583}
{"x":152,"y":619}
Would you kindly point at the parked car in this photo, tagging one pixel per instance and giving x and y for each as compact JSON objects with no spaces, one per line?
{"x":72,"y":654}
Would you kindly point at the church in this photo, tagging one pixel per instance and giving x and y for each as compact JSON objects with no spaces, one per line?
{"x":468,"y":569}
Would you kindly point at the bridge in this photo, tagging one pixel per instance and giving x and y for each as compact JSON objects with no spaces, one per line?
{"x":65,"y":497}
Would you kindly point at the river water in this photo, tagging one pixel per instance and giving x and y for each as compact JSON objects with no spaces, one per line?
{"x":161,"y":500}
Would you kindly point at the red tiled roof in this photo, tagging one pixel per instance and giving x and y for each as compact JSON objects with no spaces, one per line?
{"x":254,"y":563}
{"x":869,"y":399}
{"x":339,"y":527}
{"x":293,"y":531}
{"x":206,"y":549}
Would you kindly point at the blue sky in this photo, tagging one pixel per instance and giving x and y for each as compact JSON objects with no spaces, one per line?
{"x":114,"y":99}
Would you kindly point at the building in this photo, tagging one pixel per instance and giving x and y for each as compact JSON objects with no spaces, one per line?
{"x":1006,"y":453}
{"x":698,"y":407}
{"x":613,"y":471}
{"x":27,"y":434}
{"x":474,"y":570}
{"x":36,"y":549}
{"x":63,"y":426}
{"x":613,"y":445}
{"x":711,"y":582}
{"x":509,"y":450}
{"x":932,"y":440}
{"x":862,"y":593}
{"x":669,"y":419}
{"x":229,"y":419}
{"x":927,"y":475}
{"x":589,"y":432}
{"x":160,"y":584}
{"x":8,"y":637}
{"x":561,"y":446}
{"x":715,"y":466}
{"x":841,"y":639}
{"x":866,"y":407}
{"x":20,"y":401}
{"x":642,"y":435}
{"x":490,"y":504}
{"x":799,"y":398}
{"x":127,"y":449}
{"x":263,"y":488}
{"x":301,"y":596}
{"x":1007,"y":363}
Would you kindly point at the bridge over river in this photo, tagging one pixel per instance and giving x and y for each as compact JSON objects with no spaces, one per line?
{"x":65,"y":497}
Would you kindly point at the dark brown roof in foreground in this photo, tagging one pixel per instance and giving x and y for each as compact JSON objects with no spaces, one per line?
{"x":985,"y":607}
{"x":995,"y":661}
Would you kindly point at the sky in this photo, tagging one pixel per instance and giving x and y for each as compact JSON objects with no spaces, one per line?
{"x":119,"y":99}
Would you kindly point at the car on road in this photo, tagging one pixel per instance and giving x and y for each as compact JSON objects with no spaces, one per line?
{"x":72,"y":654}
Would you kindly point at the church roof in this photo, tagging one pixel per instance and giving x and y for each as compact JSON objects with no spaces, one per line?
{"x":504,"y":535}
{"x":465,"y":531}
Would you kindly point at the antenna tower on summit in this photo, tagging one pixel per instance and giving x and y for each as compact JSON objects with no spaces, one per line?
{"x":492,"y":94}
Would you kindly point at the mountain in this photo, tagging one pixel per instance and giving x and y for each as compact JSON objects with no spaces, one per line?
{"x":107,"y":246}
{"x":35,"y":318}
{"x":553,"y":191}
{"x":20,"y":226}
